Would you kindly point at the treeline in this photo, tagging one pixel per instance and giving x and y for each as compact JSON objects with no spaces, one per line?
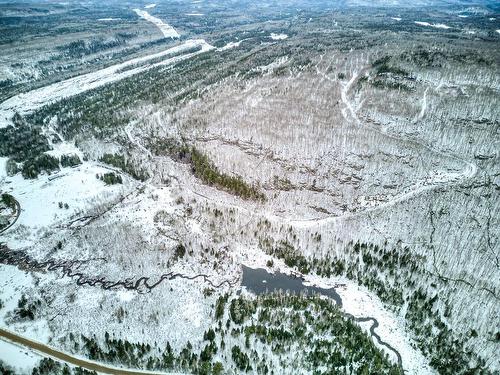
{"x":119,"y":161}
{"x":26,"y":310}
{"x":9,"y":201}
{"x":389,"y":76}
{"x":25,"y":146}
{"x":22,"y":141}
{"x":306,"y":332}
{"x":31,"y":168}
{"x":48,"y":366}
{"x":110,"y":178}
{"x":80,"y":48}
{"x":143,"y":356}
{"x":205,"y":169}
{"x":437,"y":57}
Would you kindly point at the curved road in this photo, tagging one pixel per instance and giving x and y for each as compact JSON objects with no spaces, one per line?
{"x":48,"y":351}
{"x":18,"y":213}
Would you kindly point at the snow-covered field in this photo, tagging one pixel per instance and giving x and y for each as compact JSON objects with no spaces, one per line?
{"x":278,"y":36}
{"x":22,"y":360}
{"x":230,"y":45}
{"x":77,"y":187}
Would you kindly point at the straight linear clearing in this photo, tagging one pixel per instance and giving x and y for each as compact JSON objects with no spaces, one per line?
{"x":27,"y":102}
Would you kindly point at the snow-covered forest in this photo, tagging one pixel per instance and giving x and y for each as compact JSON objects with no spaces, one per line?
{"x":150,"y":153}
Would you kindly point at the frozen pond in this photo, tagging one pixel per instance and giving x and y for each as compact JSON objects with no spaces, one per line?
{"x":259,"y":281}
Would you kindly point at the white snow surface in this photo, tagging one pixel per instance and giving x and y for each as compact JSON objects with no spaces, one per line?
{"x":167,"y":30}
{"x":109,"y":19}
{"x":278,"y":36}
{"x":13,"y":283}
{"x":194,"y":14}
{"x":20,"y":359}
{"x":230,"y":45}
{"x":150,"y":6}
{"x":39,"y":198}
{"x":435,"y":25}
{"x":3,"y":171}
{"x":396,"y":18}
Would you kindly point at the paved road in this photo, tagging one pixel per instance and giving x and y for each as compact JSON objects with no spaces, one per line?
{"x":47,"y":351}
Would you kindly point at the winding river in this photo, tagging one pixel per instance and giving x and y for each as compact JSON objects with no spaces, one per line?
{"x":67,"y":267}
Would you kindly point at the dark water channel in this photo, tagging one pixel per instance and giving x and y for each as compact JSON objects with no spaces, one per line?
{"x":259,"y":281}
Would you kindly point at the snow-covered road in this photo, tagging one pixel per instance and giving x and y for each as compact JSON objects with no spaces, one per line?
{"x":48,"y":351}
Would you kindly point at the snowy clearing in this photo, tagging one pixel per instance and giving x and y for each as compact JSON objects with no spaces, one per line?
{"x":167,"y":30}
{"x":20,"y":359}
{"x":230,"y":45}
{"x":39,"y":199}
{"x":194,"y":14}
{"x":435,"y":25}
{"x":150,"y":6}
{"x":278,"y":36}
{"x":396,"y":18}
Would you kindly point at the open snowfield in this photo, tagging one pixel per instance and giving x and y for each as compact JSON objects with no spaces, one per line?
{"x":278,"y":36}
{"x":230,"y":45}
{"x":39,"y":199}
{"x":435,"y":25}
{"x":21,"y":359}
